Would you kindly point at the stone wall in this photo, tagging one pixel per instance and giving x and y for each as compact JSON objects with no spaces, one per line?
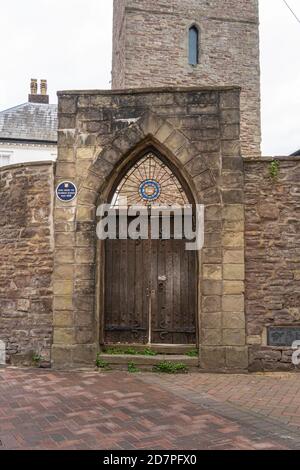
{"x":272,"y":209}
{"x":100,"y":133}
{"x":26,"y":260}
{"x":150,"y":48}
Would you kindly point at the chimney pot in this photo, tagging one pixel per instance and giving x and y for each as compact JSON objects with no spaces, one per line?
{"x":33,"y":86}
{"x":34,"y":97}
{"x":43,"y":87}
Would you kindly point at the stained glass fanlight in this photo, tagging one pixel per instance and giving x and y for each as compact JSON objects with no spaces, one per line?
{"x":150,"y":183}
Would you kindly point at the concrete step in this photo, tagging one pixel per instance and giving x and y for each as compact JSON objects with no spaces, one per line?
{"x":174,"y":349}
{"x":121,"y":361}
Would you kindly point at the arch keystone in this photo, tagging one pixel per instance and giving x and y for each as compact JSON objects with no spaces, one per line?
{"x":150,"y":123}
{"x":129,"y":137}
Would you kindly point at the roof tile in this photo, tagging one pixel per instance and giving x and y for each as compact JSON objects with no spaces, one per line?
{"x":29,"y":121}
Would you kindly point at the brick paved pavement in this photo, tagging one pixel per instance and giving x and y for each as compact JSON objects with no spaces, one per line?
{"x":116,"y":410}
{"x":274,"y":395}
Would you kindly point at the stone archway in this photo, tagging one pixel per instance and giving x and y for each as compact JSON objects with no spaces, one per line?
{"x":150,"y":285}
{"x":149,"y":131}
{"x":220,"y":280}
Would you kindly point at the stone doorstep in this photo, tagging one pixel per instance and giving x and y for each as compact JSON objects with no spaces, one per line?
{"x":161,"y":349}
{"x":122,"y":360}
{"x":225,"y":371}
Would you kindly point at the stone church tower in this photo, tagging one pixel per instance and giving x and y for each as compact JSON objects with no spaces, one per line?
{"x":151,"y":48}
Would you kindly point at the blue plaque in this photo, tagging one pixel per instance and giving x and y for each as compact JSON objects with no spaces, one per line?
{"x":66,"y":191}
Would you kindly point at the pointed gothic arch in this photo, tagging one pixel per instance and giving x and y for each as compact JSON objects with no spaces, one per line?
{"x":150,"y":131}
{"x":150,"y":178}
{"x":125,"y":148}
{"x":150,"y":285}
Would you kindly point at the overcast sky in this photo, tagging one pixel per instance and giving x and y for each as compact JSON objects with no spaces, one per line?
{"x":68,"y":42}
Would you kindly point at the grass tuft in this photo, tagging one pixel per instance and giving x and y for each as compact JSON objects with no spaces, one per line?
{"x":100,"y":363}
{"x":132,"y":368}
{"x":193,"y":353}
{"x":130,"y":352}
{"x":170,"y":368}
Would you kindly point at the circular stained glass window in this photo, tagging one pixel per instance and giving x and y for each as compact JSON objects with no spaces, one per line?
{"x":149,"y":190}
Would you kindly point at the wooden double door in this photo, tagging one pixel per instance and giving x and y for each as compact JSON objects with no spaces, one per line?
{"x":150,"y":292}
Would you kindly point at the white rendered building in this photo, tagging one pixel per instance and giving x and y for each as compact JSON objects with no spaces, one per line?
{"x":28,"y":132}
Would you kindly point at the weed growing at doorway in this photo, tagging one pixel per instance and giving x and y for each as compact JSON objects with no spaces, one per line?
{"x":170,"y":368}
{"x":119,"y":351}
{"x":130,"y":352}
{"x":193,"y":353}
{"x":101,"y":364}
{"x":147,"y":352}
{"x":132,"y":368}
{"x":36,"y":359}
